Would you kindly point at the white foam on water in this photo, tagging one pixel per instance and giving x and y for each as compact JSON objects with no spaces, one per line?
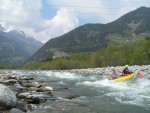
{"x":138,"y":93}
{"x":133,"y":101}
{"x":61,"y":82}
{"x":143,"y":83}
{"x":135,"y":93}
{"x":63,"y":75}
{"x":106,"y":83}
{"x":93,"y":77}
{"x":128,"y":97}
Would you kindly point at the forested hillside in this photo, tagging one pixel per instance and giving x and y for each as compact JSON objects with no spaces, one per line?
{"x":130,"y":28}
{"x":113,"y":55}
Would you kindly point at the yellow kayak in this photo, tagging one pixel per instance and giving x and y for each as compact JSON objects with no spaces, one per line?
{"x":125,"y":78}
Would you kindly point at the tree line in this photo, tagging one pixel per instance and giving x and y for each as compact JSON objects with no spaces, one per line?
{"x":112,"y":55}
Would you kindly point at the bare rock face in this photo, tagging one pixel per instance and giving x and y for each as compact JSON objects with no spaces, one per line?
{"x":8,"y":99}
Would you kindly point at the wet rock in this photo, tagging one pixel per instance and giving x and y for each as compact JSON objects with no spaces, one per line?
{"x":30,"y":107}
{"x":36,"y":100}
{"x":18,"y":86}
{"x":41,"y":109}
{"x":62,"y":88}
{"x":12,"y":81}
{"x":5,"y":76}
{"x":36,"y":84}
{"x":72,"y":97}
{"x":8,"y":82}
{"x":27,"y":85}
{"x":23,"y":78}
{"x":33,"y":89}
{"x":22,"y":81}
{"x":34,"y":97}
{"x":8,"y":99}
{"x":13,"y":77}
{"x":30,"y":78}
{"x":21,"y":105}
{"x":14,"y":110}
{"x":3,"y":81}
{"x":23,"y":95}
{"x":47,"y":90}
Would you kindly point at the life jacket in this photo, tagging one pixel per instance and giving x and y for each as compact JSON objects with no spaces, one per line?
{"x":126,"y":71}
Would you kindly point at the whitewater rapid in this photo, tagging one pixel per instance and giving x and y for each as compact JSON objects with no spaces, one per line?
{"x":96,"y":91}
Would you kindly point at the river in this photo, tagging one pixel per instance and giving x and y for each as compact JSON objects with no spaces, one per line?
{"x":93,"y":93}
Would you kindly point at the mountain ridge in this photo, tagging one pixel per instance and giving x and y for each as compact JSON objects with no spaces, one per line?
{"x":91,"y":37}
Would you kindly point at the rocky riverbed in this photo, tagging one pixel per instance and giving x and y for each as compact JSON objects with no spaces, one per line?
{"x":24,"y":94}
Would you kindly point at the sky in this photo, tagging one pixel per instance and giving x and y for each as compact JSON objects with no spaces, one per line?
{"x":47,"y":19}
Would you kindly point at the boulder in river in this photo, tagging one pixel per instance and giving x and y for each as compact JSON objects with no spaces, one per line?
{"x":8,"y":99}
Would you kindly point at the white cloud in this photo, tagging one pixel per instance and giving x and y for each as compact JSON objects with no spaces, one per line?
{"x":62,"y":22}
{"x":84,"y":9}
{"x":103,"y":11}
{"x":26,"y":15}
{"x":18,"y":12}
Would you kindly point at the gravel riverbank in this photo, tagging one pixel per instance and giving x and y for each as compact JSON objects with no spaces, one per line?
{"x":144,"y":69}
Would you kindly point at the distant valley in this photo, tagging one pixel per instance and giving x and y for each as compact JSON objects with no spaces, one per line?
{"x":16,"y":47}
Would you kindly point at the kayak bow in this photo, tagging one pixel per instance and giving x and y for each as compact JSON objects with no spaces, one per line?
{"x":125,"y":78}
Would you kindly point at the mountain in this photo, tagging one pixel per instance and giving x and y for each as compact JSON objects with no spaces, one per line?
{"x":91,"y":37}
{"x":16,"y":47}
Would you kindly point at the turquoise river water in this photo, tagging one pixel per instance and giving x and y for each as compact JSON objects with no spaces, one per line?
{"x":94,"y":93}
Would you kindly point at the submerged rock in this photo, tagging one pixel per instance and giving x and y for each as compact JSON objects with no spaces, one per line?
{"x":8,"y":99}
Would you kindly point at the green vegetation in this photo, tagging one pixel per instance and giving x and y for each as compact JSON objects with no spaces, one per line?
{"x":8,"y":67}
{"x":113,"y":55}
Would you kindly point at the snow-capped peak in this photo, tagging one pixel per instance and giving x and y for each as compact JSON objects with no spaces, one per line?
{"x":6,"y":29}
{"x":13,"y":30}
{"x":2,"y":28}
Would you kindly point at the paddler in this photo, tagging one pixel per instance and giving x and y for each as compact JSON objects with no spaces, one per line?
{"x":114,"y":74}
{"x":126,"y":71}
